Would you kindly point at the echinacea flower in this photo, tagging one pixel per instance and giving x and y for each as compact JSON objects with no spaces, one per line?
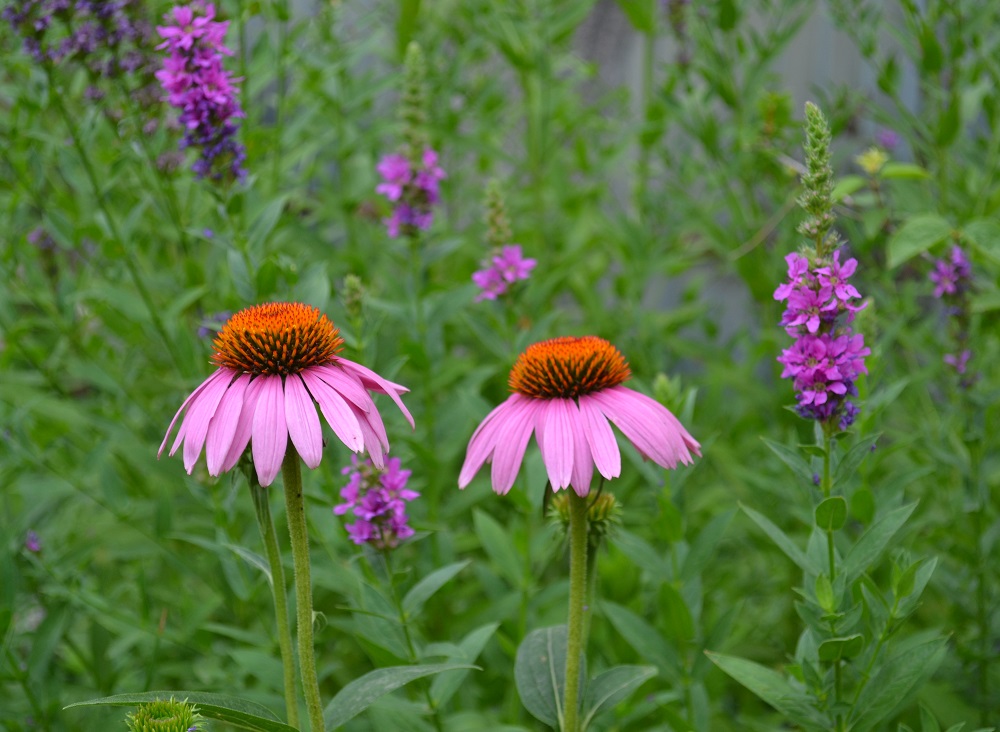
{"x":275,"y":361}
{"x":566,"y":391}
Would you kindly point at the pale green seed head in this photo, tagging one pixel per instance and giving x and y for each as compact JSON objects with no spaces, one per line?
{"x":164,"y":716}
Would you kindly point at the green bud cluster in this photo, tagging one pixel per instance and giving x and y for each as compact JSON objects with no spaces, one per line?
{"x":353,"y":296}
{"x":164,"y":716}
{"x":817,"y":200}
{"x":413,"y":105}
{"x":498,"y":232}
{"x":603,"y":515}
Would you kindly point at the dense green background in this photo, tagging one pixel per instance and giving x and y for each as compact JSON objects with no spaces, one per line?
{"x":659,"y":217}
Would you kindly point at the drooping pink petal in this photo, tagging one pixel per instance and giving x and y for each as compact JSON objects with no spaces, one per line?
{"x":600,"y":438}
{"x":244,"y":426}
{"x":302,"y":421}
{"x":196,"y":421}
{"x":583,"y":462}
{"x":511,"y":442}
{"x":373,"y":440}
{"x":555,"y":438}
{"x":373,"y":381}
{"x":270,"y":431}
{"x":483,"y":440}
{"x":220,"y":374}
{"x":336,"y":411}
{"x":645,"y":423}
{"x":222,"y":428}
{"x":348,"y":384}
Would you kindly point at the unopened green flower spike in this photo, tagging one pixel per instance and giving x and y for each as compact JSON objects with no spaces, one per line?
{"x":165,"y":716}
{"x":817,"y":200}
{"x":498,"y":232}
{"x":413,"y":106}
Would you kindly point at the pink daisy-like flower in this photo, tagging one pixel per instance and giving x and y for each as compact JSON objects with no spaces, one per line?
{"x":566,"y":391}
{"x":276,"y":362}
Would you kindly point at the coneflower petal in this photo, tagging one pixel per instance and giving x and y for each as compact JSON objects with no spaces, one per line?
{"x":482,"y":442}
{"x":601,"y":439}
{"x":303,"y":423}
{"x":222,"y":428}
{"x":511,"y":441}
{"x":336,"y":411}
{"x":373,"y":381}
{"x":194,"y":394}
{"x":196,"y":421}
{"x":244,"y":425}
{"x":583,"y":461}
{"x":270,"y":431}
{"x":553,"y":431}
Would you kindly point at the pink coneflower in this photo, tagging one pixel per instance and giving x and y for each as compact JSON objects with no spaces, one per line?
{"x":566,"y":390}
{"x":275,"y":360}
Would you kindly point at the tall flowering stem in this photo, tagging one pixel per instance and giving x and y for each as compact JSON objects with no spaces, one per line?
{"x":505,"y":265}
{"x":576,"y":642}
{"x":291,"y":473}
{"x":204,"y":91}
{"x":266,"y":525}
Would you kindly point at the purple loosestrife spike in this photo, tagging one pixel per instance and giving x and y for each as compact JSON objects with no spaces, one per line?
{"x":507,"y":264}
{"x":827,"y":357}
{"x":952,"y":278}
{"x":197,"y":84}
{"x":377,"y":498}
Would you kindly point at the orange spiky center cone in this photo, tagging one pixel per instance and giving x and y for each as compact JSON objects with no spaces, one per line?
{"x":568,"y":367}
{"x":276,"y":338}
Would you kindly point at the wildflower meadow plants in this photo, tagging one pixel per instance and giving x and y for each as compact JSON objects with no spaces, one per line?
{"x":232,"y":232}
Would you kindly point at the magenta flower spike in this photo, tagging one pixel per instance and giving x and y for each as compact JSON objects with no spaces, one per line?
{"x":276,"y":363}
{"x":568,"y":393}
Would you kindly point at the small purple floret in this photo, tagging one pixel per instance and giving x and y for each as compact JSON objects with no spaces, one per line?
{"x":414,"y":189}
{"x":378,"y":499}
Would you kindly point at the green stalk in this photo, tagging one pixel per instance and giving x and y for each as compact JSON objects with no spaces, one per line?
{"x":831,"y":557}
{"x":576,"y":622}
{"x":112,"y":222}
{"x":266,"y":525}
{"x":642,"y":164}
{"x":291,"y":473}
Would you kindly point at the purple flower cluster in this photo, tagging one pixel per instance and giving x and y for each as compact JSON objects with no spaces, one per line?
{"x":110,"y":38}
{"x":32,"y":543}
{"x":953,"y":275}
{"x":501,"y":271}
{"x":414,"y":189}
{"x":827,"y":356}
{"x":378,"y":499}
{"x":197,"y":83}
{"x":952,"y":278}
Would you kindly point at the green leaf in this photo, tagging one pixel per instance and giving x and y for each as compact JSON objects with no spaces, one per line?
{"x":644,"y":638}
{"x":772,"y":687}
{"x":847,"y":185}
{"x":892,"y":685}
{"x":447,"y":683}
{"x":791,"y":458}
{"x":863,"y":505}
{"x":824,"y":594}
{"x":784,"y":543}
{"x":264,"y":223}
{"x":613,"y":687}
{"x":641,"y":13}
{"x":835,"y":649}
{"x":850,"y":462}
{"x":498,"y":546}
{"x":915,"y":236}
{"x":874,"y":541}
{"x":361,"y":693}
{"x":703,"y":548}
{"x":984,"y":234}
{"x":540,"y":673}
{"x":903,"y":171}
{"x":831,"y":513}
{"x":238,"y":712}
{"x":421,"y":592}
{"x":677,"y":620}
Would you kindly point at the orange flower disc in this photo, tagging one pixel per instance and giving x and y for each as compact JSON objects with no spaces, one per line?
{"x":276,"y":338}
{"x":568,"y":367}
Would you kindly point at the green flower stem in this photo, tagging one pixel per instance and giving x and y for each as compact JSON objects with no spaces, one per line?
{"x":109,"y":217}
{"x":291,"y":473}
{"x":576,"y":622}
{"x":831,"y":557}
{"x":266,"y":525}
